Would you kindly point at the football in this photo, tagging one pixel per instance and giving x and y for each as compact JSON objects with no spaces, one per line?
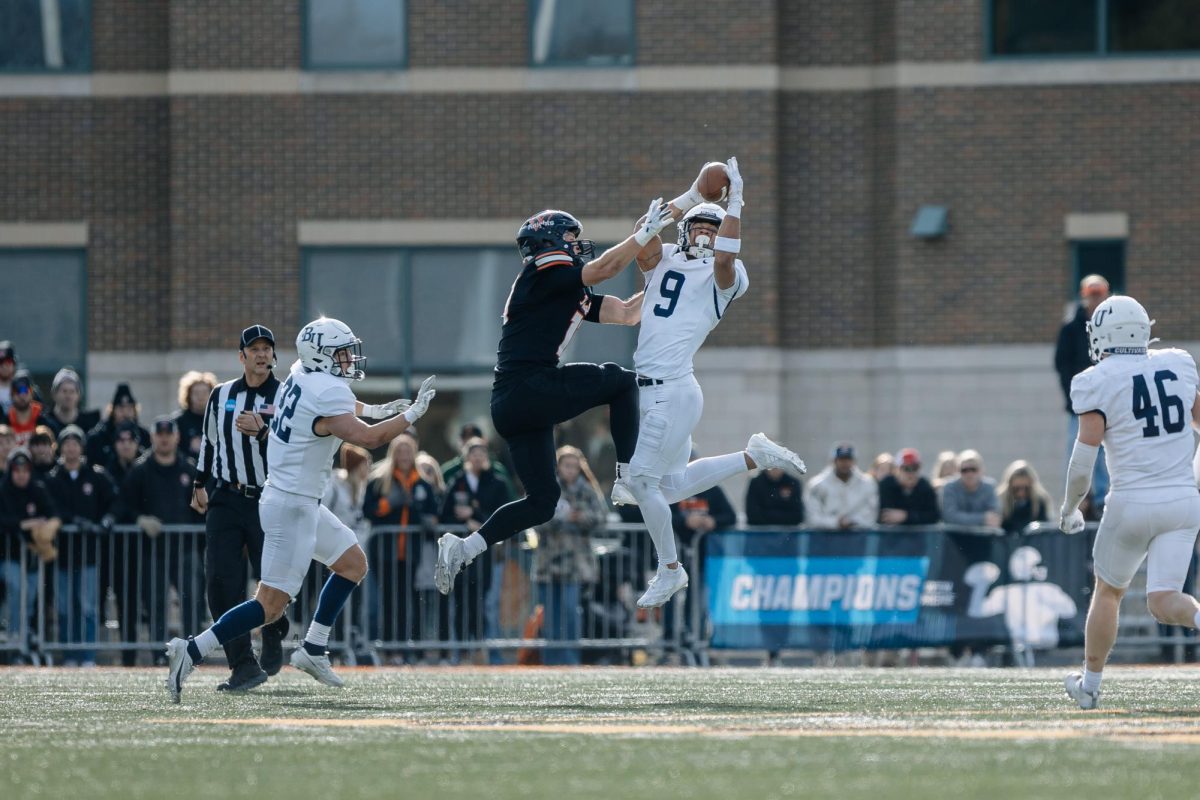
{"x":714,"y":182}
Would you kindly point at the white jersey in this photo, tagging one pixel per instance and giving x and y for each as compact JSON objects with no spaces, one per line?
{"x":298,"y":460}
{"x":682,"y":304}
{"x":1147,"y":403}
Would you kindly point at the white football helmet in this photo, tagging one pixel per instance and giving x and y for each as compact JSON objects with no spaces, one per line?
{"x":318,"y":343}
{"x":1119,"y":326}
{"x":703,"y":246}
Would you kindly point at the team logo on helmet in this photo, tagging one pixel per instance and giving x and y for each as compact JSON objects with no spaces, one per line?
{"x":328,"y":345}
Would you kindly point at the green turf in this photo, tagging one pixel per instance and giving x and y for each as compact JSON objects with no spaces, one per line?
{"x":602,"y":733}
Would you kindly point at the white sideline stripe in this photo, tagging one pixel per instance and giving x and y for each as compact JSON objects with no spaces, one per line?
{"x":731,"y":77}
{"x":408,"y":232}
{"x":43,"y":234}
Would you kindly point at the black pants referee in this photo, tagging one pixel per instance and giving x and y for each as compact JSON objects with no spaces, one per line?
{"x":233,"y":464}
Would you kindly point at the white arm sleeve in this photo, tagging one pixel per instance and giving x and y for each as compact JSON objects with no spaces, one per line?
{"x":1079,"y":474}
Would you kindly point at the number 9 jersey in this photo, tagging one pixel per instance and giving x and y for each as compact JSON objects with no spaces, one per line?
{"x":1147,"y":404}
{"x":298,"y":460}
{"x":682,"y":304}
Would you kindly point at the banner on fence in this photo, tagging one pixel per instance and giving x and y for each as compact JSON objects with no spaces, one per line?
{"x":830,"y":590}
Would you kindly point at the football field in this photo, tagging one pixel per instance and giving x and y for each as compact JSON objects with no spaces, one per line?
{"x":596,"y":733}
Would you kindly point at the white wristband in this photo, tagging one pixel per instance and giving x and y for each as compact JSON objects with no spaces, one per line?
{"x":411,"y":417}
{"x":643,"y":236}
{"x":728,"y":245}
{"x":734,"y":207}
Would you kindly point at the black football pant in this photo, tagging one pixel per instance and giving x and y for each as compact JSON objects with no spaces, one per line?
{"x":525,"y":409}
{"x":233,"y":535}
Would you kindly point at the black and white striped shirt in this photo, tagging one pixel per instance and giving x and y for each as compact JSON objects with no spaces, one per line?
{"x":226,"y":453}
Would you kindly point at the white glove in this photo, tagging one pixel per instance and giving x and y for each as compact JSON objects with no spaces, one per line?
{"x":735,"y":187}
{"x":424,"y":397}
{"x":385,"y":410}
{"x":658,"y":216}
{"x":1070,"y":521}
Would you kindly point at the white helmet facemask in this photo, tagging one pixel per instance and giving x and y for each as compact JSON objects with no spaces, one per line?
{"x":1119,"y":326}
{"x":704,"y":246}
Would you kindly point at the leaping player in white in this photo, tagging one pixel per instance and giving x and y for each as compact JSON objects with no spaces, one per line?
{"x":689,"y":287}
{"x":1137,"y":402}
{"x":315,"y":412}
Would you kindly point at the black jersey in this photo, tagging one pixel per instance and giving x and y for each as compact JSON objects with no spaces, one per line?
{"x":545,"y":307}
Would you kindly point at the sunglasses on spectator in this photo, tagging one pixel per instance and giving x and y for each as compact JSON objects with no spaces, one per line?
{"x":910,"y":468}
{"x":21,"y":388}
{"x":968,"y":468}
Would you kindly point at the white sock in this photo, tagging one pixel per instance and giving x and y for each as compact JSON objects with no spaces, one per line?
{"x":1196,"y":620}
{"x":475,"y":544}
{"x":1091,"y":680}
{"x":701,"y":474}
{"x":206,"y":642}
{"x":318,"y":634}
{"x":622,"y":471}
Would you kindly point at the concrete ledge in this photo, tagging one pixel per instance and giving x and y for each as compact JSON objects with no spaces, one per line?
{"x":43,"y":234}
{"x":1078,"y":227}
{"x":417,"y":232}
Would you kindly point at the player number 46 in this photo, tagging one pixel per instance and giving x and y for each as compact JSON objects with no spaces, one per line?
{"x":1145,"y":410}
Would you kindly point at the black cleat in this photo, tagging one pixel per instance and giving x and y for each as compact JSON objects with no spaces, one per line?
{"x":272,"y":645}
{"x":245,"y":677}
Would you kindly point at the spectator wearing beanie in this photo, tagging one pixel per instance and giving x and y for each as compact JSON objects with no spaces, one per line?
{"x":42,"y":449}
{"x":66,"y":395}
{"x":123,"y":408}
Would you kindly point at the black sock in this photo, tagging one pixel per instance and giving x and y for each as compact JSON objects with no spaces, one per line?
{"x":314,"y":649}
{"x":194,"y":651}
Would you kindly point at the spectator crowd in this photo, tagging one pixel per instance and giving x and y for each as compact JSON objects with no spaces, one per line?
{"x":95,"y":470}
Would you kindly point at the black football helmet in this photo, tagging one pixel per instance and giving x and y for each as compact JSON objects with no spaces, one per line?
{"x":545,"y":231}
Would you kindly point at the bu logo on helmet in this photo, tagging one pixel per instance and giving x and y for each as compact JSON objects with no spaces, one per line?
{"x":1098,"y":317}
{"x":310,"y":335}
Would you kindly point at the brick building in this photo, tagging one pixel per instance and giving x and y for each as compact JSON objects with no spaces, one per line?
{"x":175,"y":171}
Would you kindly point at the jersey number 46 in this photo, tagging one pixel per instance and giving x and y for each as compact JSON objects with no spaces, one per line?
{"x":1145,"y":410}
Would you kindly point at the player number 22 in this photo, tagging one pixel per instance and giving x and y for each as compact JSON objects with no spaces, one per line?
{"x":281,"y":424}
{"x":1144,"y":408}
{"x":672,"y":284}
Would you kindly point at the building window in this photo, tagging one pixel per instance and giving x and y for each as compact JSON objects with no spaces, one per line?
{"x":581,"y":33}
{"x":436,"y":309}
{"x":355,"y":34}
{"x":1093,"y":27}
{"x":45,"y":314}
{"x":45,"y":36}
{"x":1104,"y":257}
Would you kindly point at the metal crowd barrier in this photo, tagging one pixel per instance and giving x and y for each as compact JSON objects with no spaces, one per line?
{"x":118,"y":595}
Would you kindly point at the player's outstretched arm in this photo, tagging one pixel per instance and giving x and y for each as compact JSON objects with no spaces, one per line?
{"x":614,"y":259}
{"x":1196,"y":411}
{"x":1079,"y":470}
{"x":349,"y":428}
{"x":729,"y":235}
{"x":622,"y":312}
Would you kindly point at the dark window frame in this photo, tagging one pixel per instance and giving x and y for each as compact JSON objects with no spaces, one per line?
{"x":49,"y":367}
{"x":1077,"y":272}
{"x":531,"y":7}
{"x":306,"y":56}
{"x":1100,"y":50}
{"x":84,"y":69}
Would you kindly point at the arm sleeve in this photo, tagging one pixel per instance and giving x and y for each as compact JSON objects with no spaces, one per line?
{"x":208,"y":445}
{"x":818,"y":515}
{"x":557,"y":278}
{"x":741,"y":283}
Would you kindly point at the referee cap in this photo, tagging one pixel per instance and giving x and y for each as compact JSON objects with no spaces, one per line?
{"x":256,"y":332}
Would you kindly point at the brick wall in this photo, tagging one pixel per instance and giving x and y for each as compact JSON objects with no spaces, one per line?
{"x":103,"y":161}
{"x":129,"y":35}
{"x":235,"y":34}
{"x":683,"y":32}
{"x":245,"y":169}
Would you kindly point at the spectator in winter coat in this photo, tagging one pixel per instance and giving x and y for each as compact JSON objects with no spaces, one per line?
{"x":774,"y":498}
{"x":970,"y":499}
{"x":842,"y":496}
{"x":906,"y":498}
{"x":66,"y":392}
{"x":29,"y":525}
{"x":123,"y":408}
{"x":1022,"y":498}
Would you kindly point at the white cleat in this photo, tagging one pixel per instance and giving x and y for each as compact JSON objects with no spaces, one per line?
{"x":179,"y":666}
{"x":622,"y":495}
{"x":663,"y":586}
{"x":317,"y":666}
{"x":768,"y":454}
{"x":452,"y":557}
{"x":1074,"y":685}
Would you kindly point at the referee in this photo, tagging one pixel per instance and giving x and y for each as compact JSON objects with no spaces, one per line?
{"x":233,"y":459}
